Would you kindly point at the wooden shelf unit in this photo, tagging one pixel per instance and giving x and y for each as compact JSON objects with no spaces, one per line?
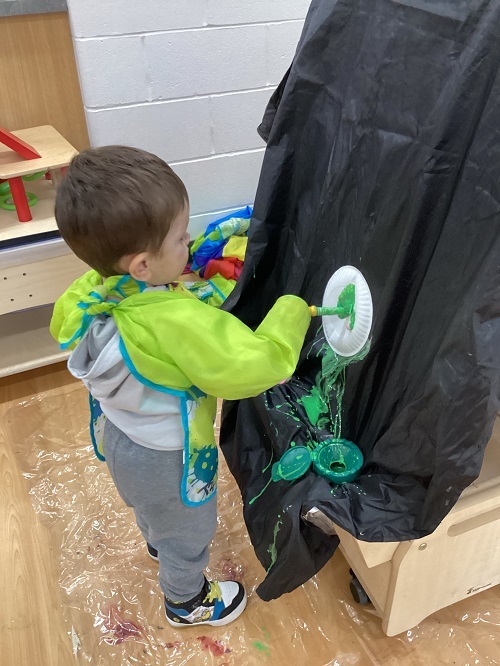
{"x":26,"y":341}
{"x":33,"y":274}
{"x":410,"y":580}
{"x":32,"y":277}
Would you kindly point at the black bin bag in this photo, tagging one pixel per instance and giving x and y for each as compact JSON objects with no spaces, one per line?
{"x":383,"y":152}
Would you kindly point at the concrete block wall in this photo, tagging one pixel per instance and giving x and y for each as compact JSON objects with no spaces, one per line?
{"x":188,"y":80}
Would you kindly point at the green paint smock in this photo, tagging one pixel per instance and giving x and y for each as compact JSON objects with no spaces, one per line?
{"x":175,"y":343}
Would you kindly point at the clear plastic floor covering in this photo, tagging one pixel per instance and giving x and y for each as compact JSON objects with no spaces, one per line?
{"x":111,"y":599}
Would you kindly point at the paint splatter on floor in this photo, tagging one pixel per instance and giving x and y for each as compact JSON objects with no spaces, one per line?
{"x":230,"y":570}
{"x":262,"y":646}
{"x":119,"y":629}
{"x":170,"y":646}
{"x":215,"y":647}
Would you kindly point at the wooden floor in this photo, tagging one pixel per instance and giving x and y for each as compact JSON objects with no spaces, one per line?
{"x":70,"y":556}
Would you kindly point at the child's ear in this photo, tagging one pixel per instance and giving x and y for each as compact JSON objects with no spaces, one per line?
{"x":138,"y":267}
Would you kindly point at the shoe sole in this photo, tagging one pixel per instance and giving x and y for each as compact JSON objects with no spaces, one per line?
{"x":155,"y":559}
{"x":213,"y":623}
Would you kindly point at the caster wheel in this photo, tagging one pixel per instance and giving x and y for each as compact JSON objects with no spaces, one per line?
{"x":358,"y":593}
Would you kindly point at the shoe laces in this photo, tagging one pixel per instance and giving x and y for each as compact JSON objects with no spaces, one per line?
{"x":214,"y":592}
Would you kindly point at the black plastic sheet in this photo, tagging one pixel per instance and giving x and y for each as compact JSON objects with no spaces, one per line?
{"x":383,"y":153}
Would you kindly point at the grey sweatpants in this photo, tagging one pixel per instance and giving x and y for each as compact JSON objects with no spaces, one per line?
{"x":150,"y":482}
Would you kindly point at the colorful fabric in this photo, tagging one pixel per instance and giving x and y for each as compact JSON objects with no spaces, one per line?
{"x":211,"y":244}
{"x":230,"y":268}
{"x":236,"y":247}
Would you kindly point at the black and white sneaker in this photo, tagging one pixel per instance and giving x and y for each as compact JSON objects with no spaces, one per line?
{"x":217,"y":604}
{"x":152,"y":552}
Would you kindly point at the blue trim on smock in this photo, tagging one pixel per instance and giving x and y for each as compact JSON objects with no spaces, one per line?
{"x":193,"y":393}
{"x":187,"y":459}
{"x":147,"y":382}
{"x":86,"y":319}
{"x":216,"y":289}
{"x":184,"y":397}
{"x":92,"y":435}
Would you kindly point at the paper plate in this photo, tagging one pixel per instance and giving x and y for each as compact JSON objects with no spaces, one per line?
{"x":339,"y":335}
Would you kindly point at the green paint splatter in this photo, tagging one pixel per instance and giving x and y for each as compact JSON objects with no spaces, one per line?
{"x":323,"y":405}
{"x":272,"y":550}
{"x":262,"y":647}
{"x":315,"y":407}
{"x":291,"y":412}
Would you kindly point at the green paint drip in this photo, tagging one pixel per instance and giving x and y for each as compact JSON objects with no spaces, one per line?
{"x":270,"y":478}
{"x":266,"y":402}
{"x":272,"y":550}
{"x":262,"y":491}
{"x":269,"y":463}
{"x":311,"y":350}
{"x":330,"y":382}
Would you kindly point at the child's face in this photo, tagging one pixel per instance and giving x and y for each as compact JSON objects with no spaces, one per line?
{"x":171,"y":261}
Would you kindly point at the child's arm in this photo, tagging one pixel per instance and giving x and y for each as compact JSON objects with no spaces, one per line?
{"x":222,"y":356}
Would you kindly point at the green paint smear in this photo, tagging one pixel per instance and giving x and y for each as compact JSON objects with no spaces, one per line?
{"x":272,"y":550}
{"x":262,"y":647}
{"x":344,"y":308}
{"x":347,"y":299}
{"x":315,"y":406}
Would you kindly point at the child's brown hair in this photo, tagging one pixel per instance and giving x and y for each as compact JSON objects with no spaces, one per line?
{"x":115,"y":201}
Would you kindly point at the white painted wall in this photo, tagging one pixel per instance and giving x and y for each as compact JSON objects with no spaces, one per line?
{"x":188,"y":80}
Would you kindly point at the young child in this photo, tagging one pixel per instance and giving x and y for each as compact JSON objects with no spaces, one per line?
{"x":155,"y":357}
